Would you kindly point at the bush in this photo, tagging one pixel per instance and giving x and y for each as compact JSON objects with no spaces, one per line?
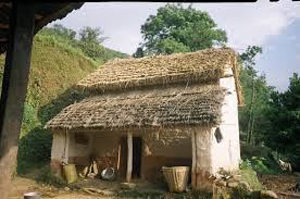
{"x":249,"y":175}
{"x":34,"y":149}
{"x":45,"y":176}
{"x":260,"y":159}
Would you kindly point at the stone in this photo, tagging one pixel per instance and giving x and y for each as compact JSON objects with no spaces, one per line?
{"x":107,"y":193}
{"x":233,"y":184}
{"x":127,"y":185}
{"x":67,"y":189}
{"x":267,"y":194}
{"x":220,"y":182}
{"x":245,"y":185}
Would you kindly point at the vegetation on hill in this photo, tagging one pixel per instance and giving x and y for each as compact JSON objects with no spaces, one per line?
{"x":57,"y":63}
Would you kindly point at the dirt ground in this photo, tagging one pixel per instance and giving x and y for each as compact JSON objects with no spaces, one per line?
{"x":106,"y":190}
{"x":283,"y":185}
{"x":277,"y":183}
{"x":22,"y":185}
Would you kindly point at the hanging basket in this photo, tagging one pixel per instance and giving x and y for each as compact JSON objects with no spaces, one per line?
{"x":176,"y":177}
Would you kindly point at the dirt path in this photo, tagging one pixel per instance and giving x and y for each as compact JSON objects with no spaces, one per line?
{"x":22,"y":185}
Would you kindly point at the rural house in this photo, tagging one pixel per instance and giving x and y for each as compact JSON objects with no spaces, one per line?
{"x":142,"y":114}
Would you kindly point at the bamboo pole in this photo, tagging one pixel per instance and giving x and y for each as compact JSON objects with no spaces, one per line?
{"x":129,"y":157}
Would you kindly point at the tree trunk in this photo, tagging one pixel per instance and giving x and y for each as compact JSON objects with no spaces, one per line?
{"x":250,"y":121}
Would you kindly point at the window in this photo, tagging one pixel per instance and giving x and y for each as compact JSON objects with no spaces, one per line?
{"x":81,"y":138}
{"x":218,"y":135}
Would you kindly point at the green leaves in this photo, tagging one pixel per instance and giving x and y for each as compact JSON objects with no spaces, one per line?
{"x":178,"y":29}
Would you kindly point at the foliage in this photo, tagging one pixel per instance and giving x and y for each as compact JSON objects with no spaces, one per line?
{"x":60,"y":30}
{"x":89,"y":42}
{"x":284,"y":115}
{"x":261,"y":158}
{"x":256,"y":96}
{"x":91,"y":35}
{"x":178,"y":29}
{"x":34,"y":149}
{"x":269,"y":118}
{"x":249,"y":175}
{"x":45,"y":176}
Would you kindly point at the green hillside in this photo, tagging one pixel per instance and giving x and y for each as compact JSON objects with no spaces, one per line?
{"x":55,"y":67}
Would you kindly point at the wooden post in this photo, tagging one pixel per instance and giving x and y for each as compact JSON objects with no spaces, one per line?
{"x":202,"y":162}
{"x":14,"y":88}
{"x":119,"y":157}
{"x":194,"y":160}
{"x":66,"y":147}
{"x":129,"y":157}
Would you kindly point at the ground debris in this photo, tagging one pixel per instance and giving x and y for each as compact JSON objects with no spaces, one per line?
{"x":95,"y":191}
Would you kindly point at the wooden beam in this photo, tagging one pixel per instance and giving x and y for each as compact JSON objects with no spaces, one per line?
{"x":14,"y":86}
{"x":64,"y":8}
{"x":38,"y":16}
{"x":129,"y":157}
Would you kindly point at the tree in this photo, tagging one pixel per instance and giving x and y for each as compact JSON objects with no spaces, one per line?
{"x":91,"y":35}
{"x":178,"y":29}
{"x":256,"y":94}
{"x":284,"y":115}
{"x":60,"y":30}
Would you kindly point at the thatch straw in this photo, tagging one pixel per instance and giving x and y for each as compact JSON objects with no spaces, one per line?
{"x":182,"y":68}
{"x":194,"y":105}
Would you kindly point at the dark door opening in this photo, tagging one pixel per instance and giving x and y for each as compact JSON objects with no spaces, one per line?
{"x":123,"y":157}
{"x":137,"y":157}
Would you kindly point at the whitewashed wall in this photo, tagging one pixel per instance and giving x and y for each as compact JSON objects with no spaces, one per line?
{"x":59,"y":150}
{"x":226,"y":154}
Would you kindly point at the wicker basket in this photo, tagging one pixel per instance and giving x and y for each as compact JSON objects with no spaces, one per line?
{"x":176,"y":177}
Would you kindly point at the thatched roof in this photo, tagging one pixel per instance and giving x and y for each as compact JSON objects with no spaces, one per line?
{"x":195,"y":105}
{"x":181,"y":68}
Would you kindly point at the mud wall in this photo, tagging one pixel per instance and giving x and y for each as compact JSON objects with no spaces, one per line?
{"x":105,"y":149}
{"x":170,"y":147}
{"x":80,"y":147}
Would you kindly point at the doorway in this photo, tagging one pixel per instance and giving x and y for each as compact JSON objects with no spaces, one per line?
{"x":137,"y":157}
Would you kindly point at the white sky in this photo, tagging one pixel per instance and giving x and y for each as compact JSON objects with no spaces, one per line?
{"x":245,"y":23}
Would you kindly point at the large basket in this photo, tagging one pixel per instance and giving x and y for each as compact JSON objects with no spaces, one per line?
{"x":176,"y":177}
{"x":70,"y":173}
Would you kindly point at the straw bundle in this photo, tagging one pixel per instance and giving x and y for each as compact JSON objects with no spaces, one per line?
{"x":198,"y":104}
{"x":181,"y":68}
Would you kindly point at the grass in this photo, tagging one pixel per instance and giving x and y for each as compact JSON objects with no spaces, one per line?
{"x":249,"y":175}
{"x":56,"y":66}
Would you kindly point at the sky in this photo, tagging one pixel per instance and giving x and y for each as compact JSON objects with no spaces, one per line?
{"x":275,"y":26}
